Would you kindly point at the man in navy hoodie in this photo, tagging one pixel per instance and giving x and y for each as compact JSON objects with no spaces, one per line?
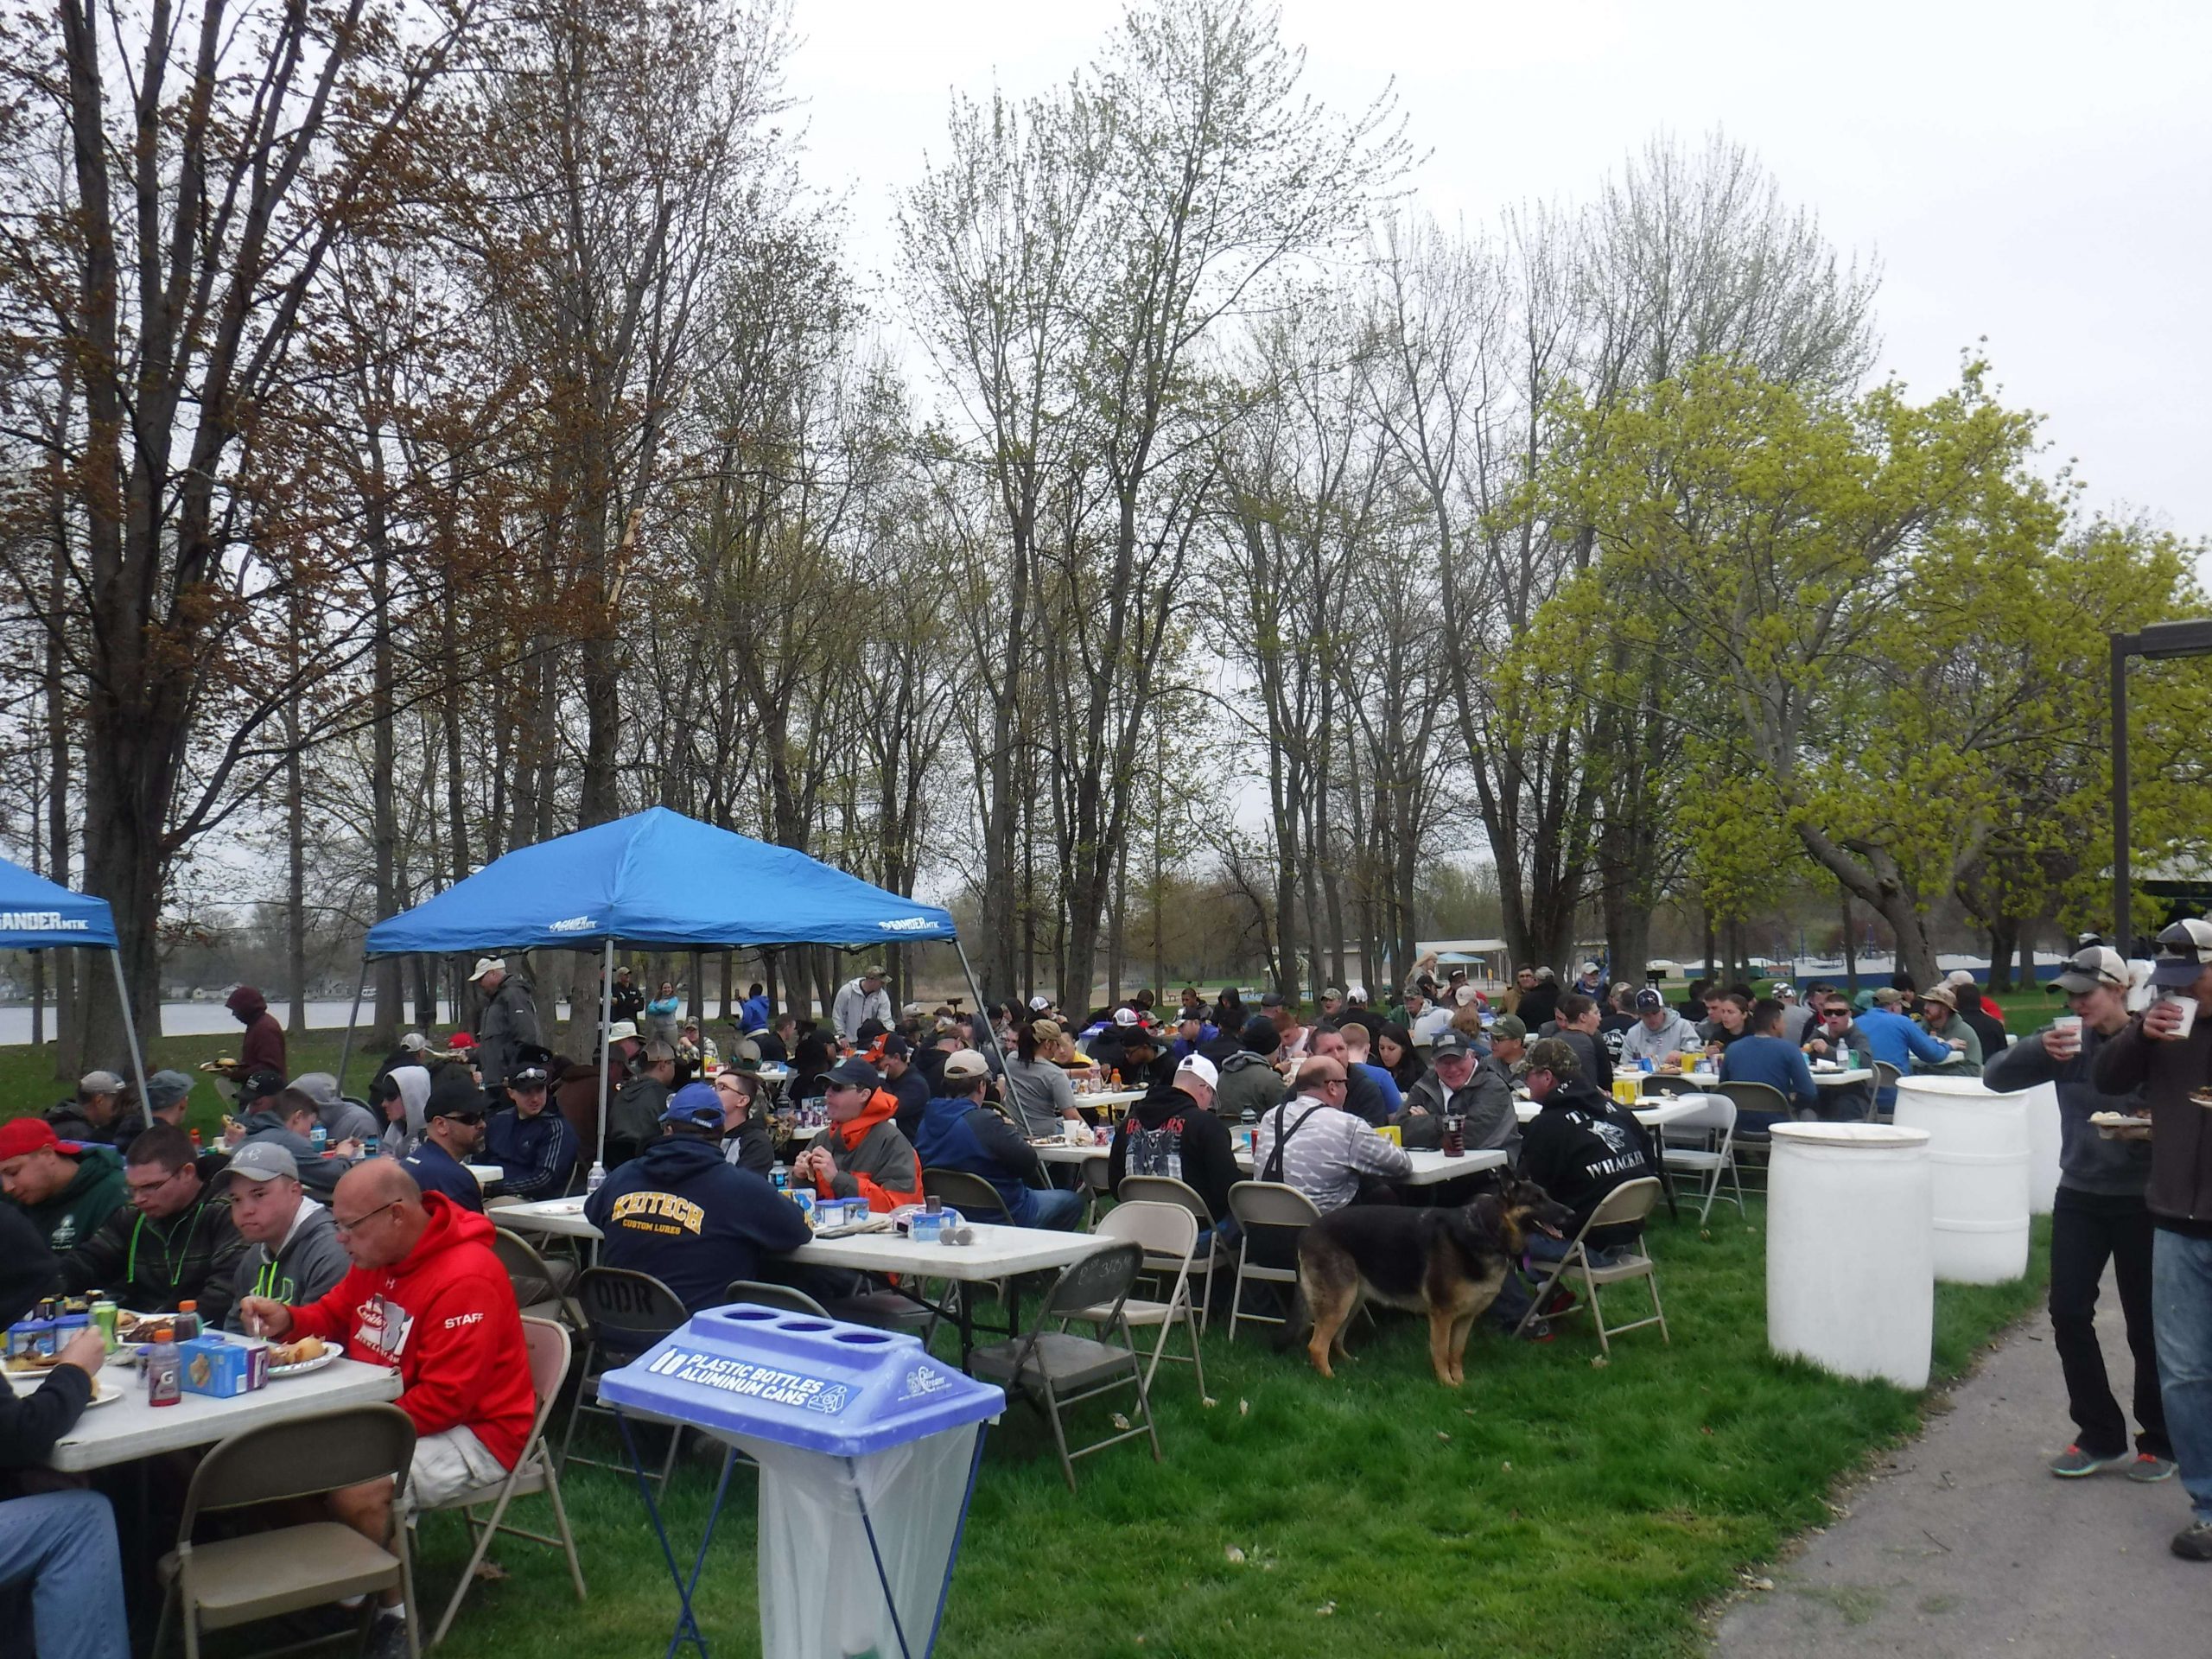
{"x":957,"y":1131}
{"x":684,"y":1213}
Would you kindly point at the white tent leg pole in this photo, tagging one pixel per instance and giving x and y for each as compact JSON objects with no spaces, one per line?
{"x":129,"y":1028}
{"x":982,"y":1014}
{"x":353,"y":1017}
{"x":606,"y":1048}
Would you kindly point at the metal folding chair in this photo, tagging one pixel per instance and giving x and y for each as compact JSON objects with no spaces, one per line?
{"x":1168,"y":1235}
{"x":1627,"y":1203}
{"x":625,"y":1314}
{"x":1163,"y":1189}
{"x":1272,"y":1216}
{"x":1715,"y":1126}
{"x":1053,"y":1370}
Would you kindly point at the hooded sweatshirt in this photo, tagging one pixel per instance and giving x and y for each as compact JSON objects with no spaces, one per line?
{"x":413,"y":1082}
{"x":1246,"y":1079}
{"x":96,"y":1192}
{"x":2086,"y":1161}
{"x":875,"y":1161}
{"x":263,"y":1047}
{"x":956,"y":1132}
{"x":31,"y":1423}
{"x":696,"y":1221}
{"x":342,"y":1119}
{"x":444,"y":1317}
{"x":309,"y":1262}
{"x":1578,"y":1148}
{"x":1169,"y":1133}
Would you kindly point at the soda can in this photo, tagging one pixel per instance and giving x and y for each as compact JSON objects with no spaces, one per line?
{"x":104,"y":1314}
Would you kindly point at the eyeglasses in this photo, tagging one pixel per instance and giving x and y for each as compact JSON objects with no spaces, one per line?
{"x":359,"y":1222}
{"x":140,"y":1189}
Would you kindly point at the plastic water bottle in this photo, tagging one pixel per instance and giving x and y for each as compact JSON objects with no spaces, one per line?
{"x":778,"y":1176}
{"x":596,"y":1179}
{"x":164,"y":1371}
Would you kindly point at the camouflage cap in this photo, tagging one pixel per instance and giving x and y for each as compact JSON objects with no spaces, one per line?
{"x":1552,"y":1055}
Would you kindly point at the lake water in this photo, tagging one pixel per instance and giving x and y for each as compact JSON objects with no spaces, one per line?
{"x":213,"y":1019}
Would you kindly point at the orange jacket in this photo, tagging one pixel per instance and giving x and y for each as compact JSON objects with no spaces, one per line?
{"x":874,"y":1161}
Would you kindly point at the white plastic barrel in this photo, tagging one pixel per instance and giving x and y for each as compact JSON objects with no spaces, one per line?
{"x":1978,"y":1145}
{"x":1850,"y":1244}
{"x":2042,"y":1147}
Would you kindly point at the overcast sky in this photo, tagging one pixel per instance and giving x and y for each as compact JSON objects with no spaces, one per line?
{"x":2037,"y":173}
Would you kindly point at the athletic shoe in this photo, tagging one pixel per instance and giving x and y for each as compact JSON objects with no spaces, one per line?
{"x":387,"y":1638}
{"x":2194,"y":1541}
{"x":2148,"y":1467}
{"x":1536,"y":1331}
{"x":2074,"y":1463}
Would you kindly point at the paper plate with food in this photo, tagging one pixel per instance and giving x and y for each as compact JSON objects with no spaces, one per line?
{"x":28,"y":1374}
{"x":298,"y":1358}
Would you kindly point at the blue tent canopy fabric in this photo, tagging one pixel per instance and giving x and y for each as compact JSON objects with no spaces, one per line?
{"x":657,"y":878}
{"x":37,"y":915}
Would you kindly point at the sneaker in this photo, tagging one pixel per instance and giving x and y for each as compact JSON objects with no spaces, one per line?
{"x":1536,"y":1331}
{"x":2194,"y":1541}
{"x":387,"y":1639}
{"x":2149,"y":1466}
{"x":2074,"y":1463}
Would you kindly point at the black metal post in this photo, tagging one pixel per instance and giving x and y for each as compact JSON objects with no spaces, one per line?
{"x":2122,"y":898}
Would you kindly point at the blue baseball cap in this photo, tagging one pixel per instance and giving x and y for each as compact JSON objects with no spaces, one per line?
{"x":695,"y":1105}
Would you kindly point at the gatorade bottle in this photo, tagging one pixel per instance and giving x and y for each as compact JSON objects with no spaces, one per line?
{"x":196,"y":1143}
{"x":164,"y":1372}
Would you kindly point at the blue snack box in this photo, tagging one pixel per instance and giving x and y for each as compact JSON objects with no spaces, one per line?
{"x":819,"y":1384}
{"x":224,"y":1367}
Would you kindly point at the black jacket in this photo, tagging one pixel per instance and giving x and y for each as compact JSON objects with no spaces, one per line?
{"x":150,"y":1266}
{"x":1537,"y":1007}
{"x":31,"y":1423}
{"x":1364,"y":1097}
{"x":1580,"y":1148}
{"x":913,"y":1092}
{"x":633,"y":1118}
{"x":753,"y":1146}
{"x":2180,"y":1190}
{"x":1597,"y":1060}
{"x":1167,"y":1133}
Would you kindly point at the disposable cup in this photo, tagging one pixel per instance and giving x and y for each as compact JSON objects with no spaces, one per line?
{"x":2186,"y":1003}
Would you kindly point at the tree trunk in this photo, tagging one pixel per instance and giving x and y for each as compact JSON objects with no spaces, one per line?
{"x":1850,"y":945}
{"x":295,"y":865}
{"x":2004,"y":946}
{"x":383,"y":815}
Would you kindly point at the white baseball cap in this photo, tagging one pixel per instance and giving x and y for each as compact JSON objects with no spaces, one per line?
{"x":1039,"y":1004}
{"x":1128,"y":1017}
{"x":485,"y":966}
{"x":1201,"y":1068}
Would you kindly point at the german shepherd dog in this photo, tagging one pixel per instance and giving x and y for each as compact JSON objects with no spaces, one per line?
{"x":1447,"y":1263}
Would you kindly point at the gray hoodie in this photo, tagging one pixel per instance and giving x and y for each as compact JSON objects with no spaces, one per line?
{"x":342,"y":1119}
{"x":301,"y":1270}
{"x":2086,"y":1161}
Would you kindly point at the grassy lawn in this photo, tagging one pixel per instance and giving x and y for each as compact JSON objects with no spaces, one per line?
{"x":1552,"y":1506}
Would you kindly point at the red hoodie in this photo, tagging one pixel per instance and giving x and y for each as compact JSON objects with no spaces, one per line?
{"x":446,"y":1317}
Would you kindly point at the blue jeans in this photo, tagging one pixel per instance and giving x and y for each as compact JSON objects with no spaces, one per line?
{"x":1516,"y":1293}
{"x":1055,"y":1208}
{"x":63,"y":1545}
{"x":2181,"y":1314}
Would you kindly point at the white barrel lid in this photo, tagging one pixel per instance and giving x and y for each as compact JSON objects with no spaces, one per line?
{"x":1868,"y":1136}
{"x":1962,"y":1087}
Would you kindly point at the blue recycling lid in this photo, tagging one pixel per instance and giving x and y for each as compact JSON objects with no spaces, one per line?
{"x":818,"y":1384}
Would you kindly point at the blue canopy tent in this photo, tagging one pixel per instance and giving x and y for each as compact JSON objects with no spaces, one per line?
{"x":655,"y":878}
{"x":37,"y":915}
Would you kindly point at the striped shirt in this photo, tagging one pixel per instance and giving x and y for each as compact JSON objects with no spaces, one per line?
{"x":1326,"y":1152}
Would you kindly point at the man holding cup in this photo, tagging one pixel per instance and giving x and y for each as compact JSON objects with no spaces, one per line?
{"x":2166,"y":1051}
{"x":2098,"y":1216}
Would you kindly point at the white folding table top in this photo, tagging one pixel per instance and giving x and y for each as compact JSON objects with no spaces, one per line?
{"x":564,"y":1216}
{"x":129,"y":1429}
{"x":1430,"y":1166}
{"x":997,"y":1252}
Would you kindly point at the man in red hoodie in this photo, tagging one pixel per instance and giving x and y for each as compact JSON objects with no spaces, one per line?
{"x":428,"y":1297}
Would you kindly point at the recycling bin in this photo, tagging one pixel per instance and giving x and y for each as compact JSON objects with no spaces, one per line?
{"x":867,"y":1447}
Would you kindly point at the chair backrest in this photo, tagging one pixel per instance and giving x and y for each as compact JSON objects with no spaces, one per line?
{"x":1096,"y":1169}
{"x":1165,"y":1189}
{"x":1626,"y":1205}
{"x":1271,"y":1203}
{"x":628,"y":1311}
{"x":1655,"y":1082}
{"x":1101,"y":1277}
{"x":1757,"y":1097}
{"x":1719,"y":1112}
{"x":526,"y":1269}
{"x":1161,"y":1228}
{"x":547,"y":1344}
{"x":971,"y":1195}
{"x":1885,"y":1075}
{"x":760,"y":1291}
{"x":302,"y":1458}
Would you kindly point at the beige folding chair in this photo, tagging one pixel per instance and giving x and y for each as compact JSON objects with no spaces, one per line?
{"x":1095,"y":1186}
{"x":1168,"y":1234}
{"x":1771,"y":1103}
{"x":971,"y":1195}
{"x":1272,"y":1215}
{"x":1163,"y":1189}
{"x":1885,"y":1076}
{"x":1714,"y":1125}
{"x":547,"y":1341}
{"x":543,"y":1289}
{"x":229,"y":1581}
{"x":1053,"y":1370}
{"x":763,"y":1293}
{"x":1627,"y":1203}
